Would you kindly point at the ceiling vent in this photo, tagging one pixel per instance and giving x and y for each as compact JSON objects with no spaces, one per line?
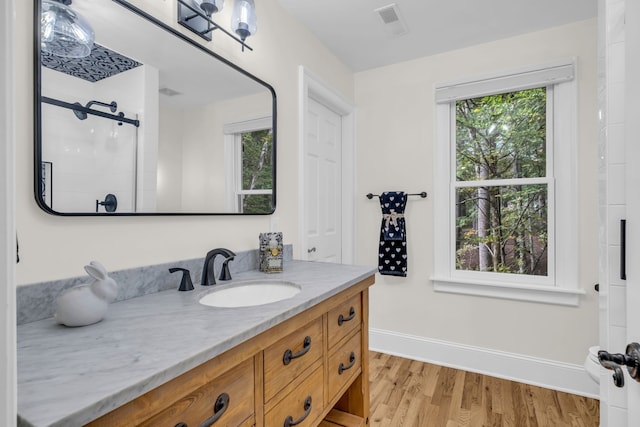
{"x":390,"y":16}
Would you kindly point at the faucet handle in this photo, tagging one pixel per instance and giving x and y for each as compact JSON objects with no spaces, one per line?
{"x":225,"y":274}
{"x":185,"y":284}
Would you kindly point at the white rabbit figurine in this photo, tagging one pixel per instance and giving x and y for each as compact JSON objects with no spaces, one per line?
{"x":87,"y":304}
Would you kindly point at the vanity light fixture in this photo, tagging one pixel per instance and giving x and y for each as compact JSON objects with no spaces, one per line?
{"x":63,"y":31}
{"x":210,"y":6}
{"x":196,"y":16}
{"x":244,"y":21}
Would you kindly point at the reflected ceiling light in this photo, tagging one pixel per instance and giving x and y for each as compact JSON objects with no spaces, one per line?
{"x":196,"y":16}
{"x":64,"y":32}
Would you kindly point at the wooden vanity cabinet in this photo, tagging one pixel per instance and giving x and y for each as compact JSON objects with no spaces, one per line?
{"x":310,"y":370}
{"x":292,"y":358}
{"x":227,"y":400}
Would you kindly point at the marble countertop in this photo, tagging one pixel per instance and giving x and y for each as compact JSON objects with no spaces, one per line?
{"x":70,"y":376}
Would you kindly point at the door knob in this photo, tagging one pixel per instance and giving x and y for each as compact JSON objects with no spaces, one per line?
{"x":313,"y":249}
{"x":615,"y":361}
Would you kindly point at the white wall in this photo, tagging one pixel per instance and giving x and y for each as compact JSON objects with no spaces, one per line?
{"x":396,"y":131}
{"x":191,"y":157}
{"x":170,"y":163}
{"x":57,"y":247}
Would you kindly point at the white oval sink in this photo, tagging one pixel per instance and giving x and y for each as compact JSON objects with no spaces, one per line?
{"x":251,"y":293}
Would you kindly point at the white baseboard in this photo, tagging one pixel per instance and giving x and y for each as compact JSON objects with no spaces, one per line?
{"x":550,"y":374}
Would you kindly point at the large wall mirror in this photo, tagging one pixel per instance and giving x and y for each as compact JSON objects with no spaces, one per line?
{"x":144,"y":121}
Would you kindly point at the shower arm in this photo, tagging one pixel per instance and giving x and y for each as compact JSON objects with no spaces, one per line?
{"x":77,"y":107}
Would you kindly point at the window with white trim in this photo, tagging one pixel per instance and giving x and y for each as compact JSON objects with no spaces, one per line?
{"x":249,"y":161}
{"x":505,"y":199}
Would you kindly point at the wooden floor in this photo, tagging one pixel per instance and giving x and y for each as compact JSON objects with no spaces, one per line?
{"x":415,"y":394}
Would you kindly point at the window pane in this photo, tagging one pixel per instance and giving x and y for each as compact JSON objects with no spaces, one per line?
{"x":256,"y":203}
{"x":502,"y":229}
{"x":257,"y":160}
{"x":501,"y":136}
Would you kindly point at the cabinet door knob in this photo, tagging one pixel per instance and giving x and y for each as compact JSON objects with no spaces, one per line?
{"x":288,"y":422}
{"x":289,"y":355}
{"x":221,"y":405}
{"x":342,"y":319}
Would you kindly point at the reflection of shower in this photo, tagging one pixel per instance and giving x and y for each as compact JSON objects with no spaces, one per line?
{"x":82,"y":111}
{"x":81,"y":114}
{"x":110,"y":203}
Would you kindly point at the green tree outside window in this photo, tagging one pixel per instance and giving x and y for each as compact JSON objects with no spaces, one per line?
{"x":257,"y":171}
{"x":501,"y":209}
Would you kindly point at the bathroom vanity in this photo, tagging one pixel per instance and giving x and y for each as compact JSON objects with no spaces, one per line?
{"x":166,"y":359}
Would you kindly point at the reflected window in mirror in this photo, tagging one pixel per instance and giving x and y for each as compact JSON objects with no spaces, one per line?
{"x":249,"y":147}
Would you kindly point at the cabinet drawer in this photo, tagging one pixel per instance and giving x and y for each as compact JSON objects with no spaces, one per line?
{"x":232,"y":393}
{"x":304,"y":404}
{"x":344,"y":319}
{"x":345,"y":363}
{"x":291,"y":356}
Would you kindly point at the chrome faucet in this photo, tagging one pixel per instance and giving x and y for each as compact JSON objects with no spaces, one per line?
{"x":208,"y":274}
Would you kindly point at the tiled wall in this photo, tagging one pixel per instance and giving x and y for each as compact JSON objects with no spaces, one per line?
{"x":95,"y":156}
{"x":611,"y":81}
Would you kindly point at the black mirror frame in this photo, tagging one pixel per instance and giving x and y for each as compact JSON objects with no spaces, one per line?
{"x":37,"y":78}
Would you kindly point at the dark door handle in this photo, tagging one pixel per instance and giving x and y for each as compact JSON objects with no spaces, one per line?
{"x":615,"y":362}
{"x":288,"y":422}
{"x":618,"y":375}
{"x":623,"y":249}
{"x":342,"y":319}
{"x":289,"y":355}
{"x":221,"y":405}
{"x":343,"y":367}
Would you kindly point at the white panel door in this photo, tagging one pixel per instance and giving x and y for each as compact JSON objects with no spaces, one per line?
{"x":323,"y":183}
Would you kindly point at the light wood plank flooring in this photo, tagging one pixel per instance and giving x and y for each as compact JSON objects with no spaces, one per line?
{"x":415,"y":394}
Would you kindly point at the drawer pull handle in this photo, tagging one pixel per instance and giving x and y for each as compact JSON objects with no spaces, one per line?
{"x":221,"y":405}
{"x":289,"y":355}
{"x":288,"y":422}
{"x":343,"y":367}
{"x":342,"y":319}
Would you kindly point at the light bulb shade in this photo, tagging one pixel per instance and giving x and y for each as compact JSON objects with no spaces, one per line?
{"x":210,"y":6}
{"x":64,"y":32}
{"x":244,"y":21}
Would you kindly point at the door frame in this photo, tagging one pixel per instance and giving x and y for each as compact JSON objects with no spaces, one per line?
{"x":8,"y":390}
{"x":311,"y":87}
{"x":632,"y":174}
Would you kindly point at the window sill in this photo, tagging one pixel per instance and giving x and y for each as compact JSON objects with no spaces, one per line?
{"x":542,"y":294}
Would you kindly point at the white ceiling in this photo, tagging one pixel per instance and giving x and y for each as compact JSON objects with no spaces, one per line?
{"x":356,"y":34}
